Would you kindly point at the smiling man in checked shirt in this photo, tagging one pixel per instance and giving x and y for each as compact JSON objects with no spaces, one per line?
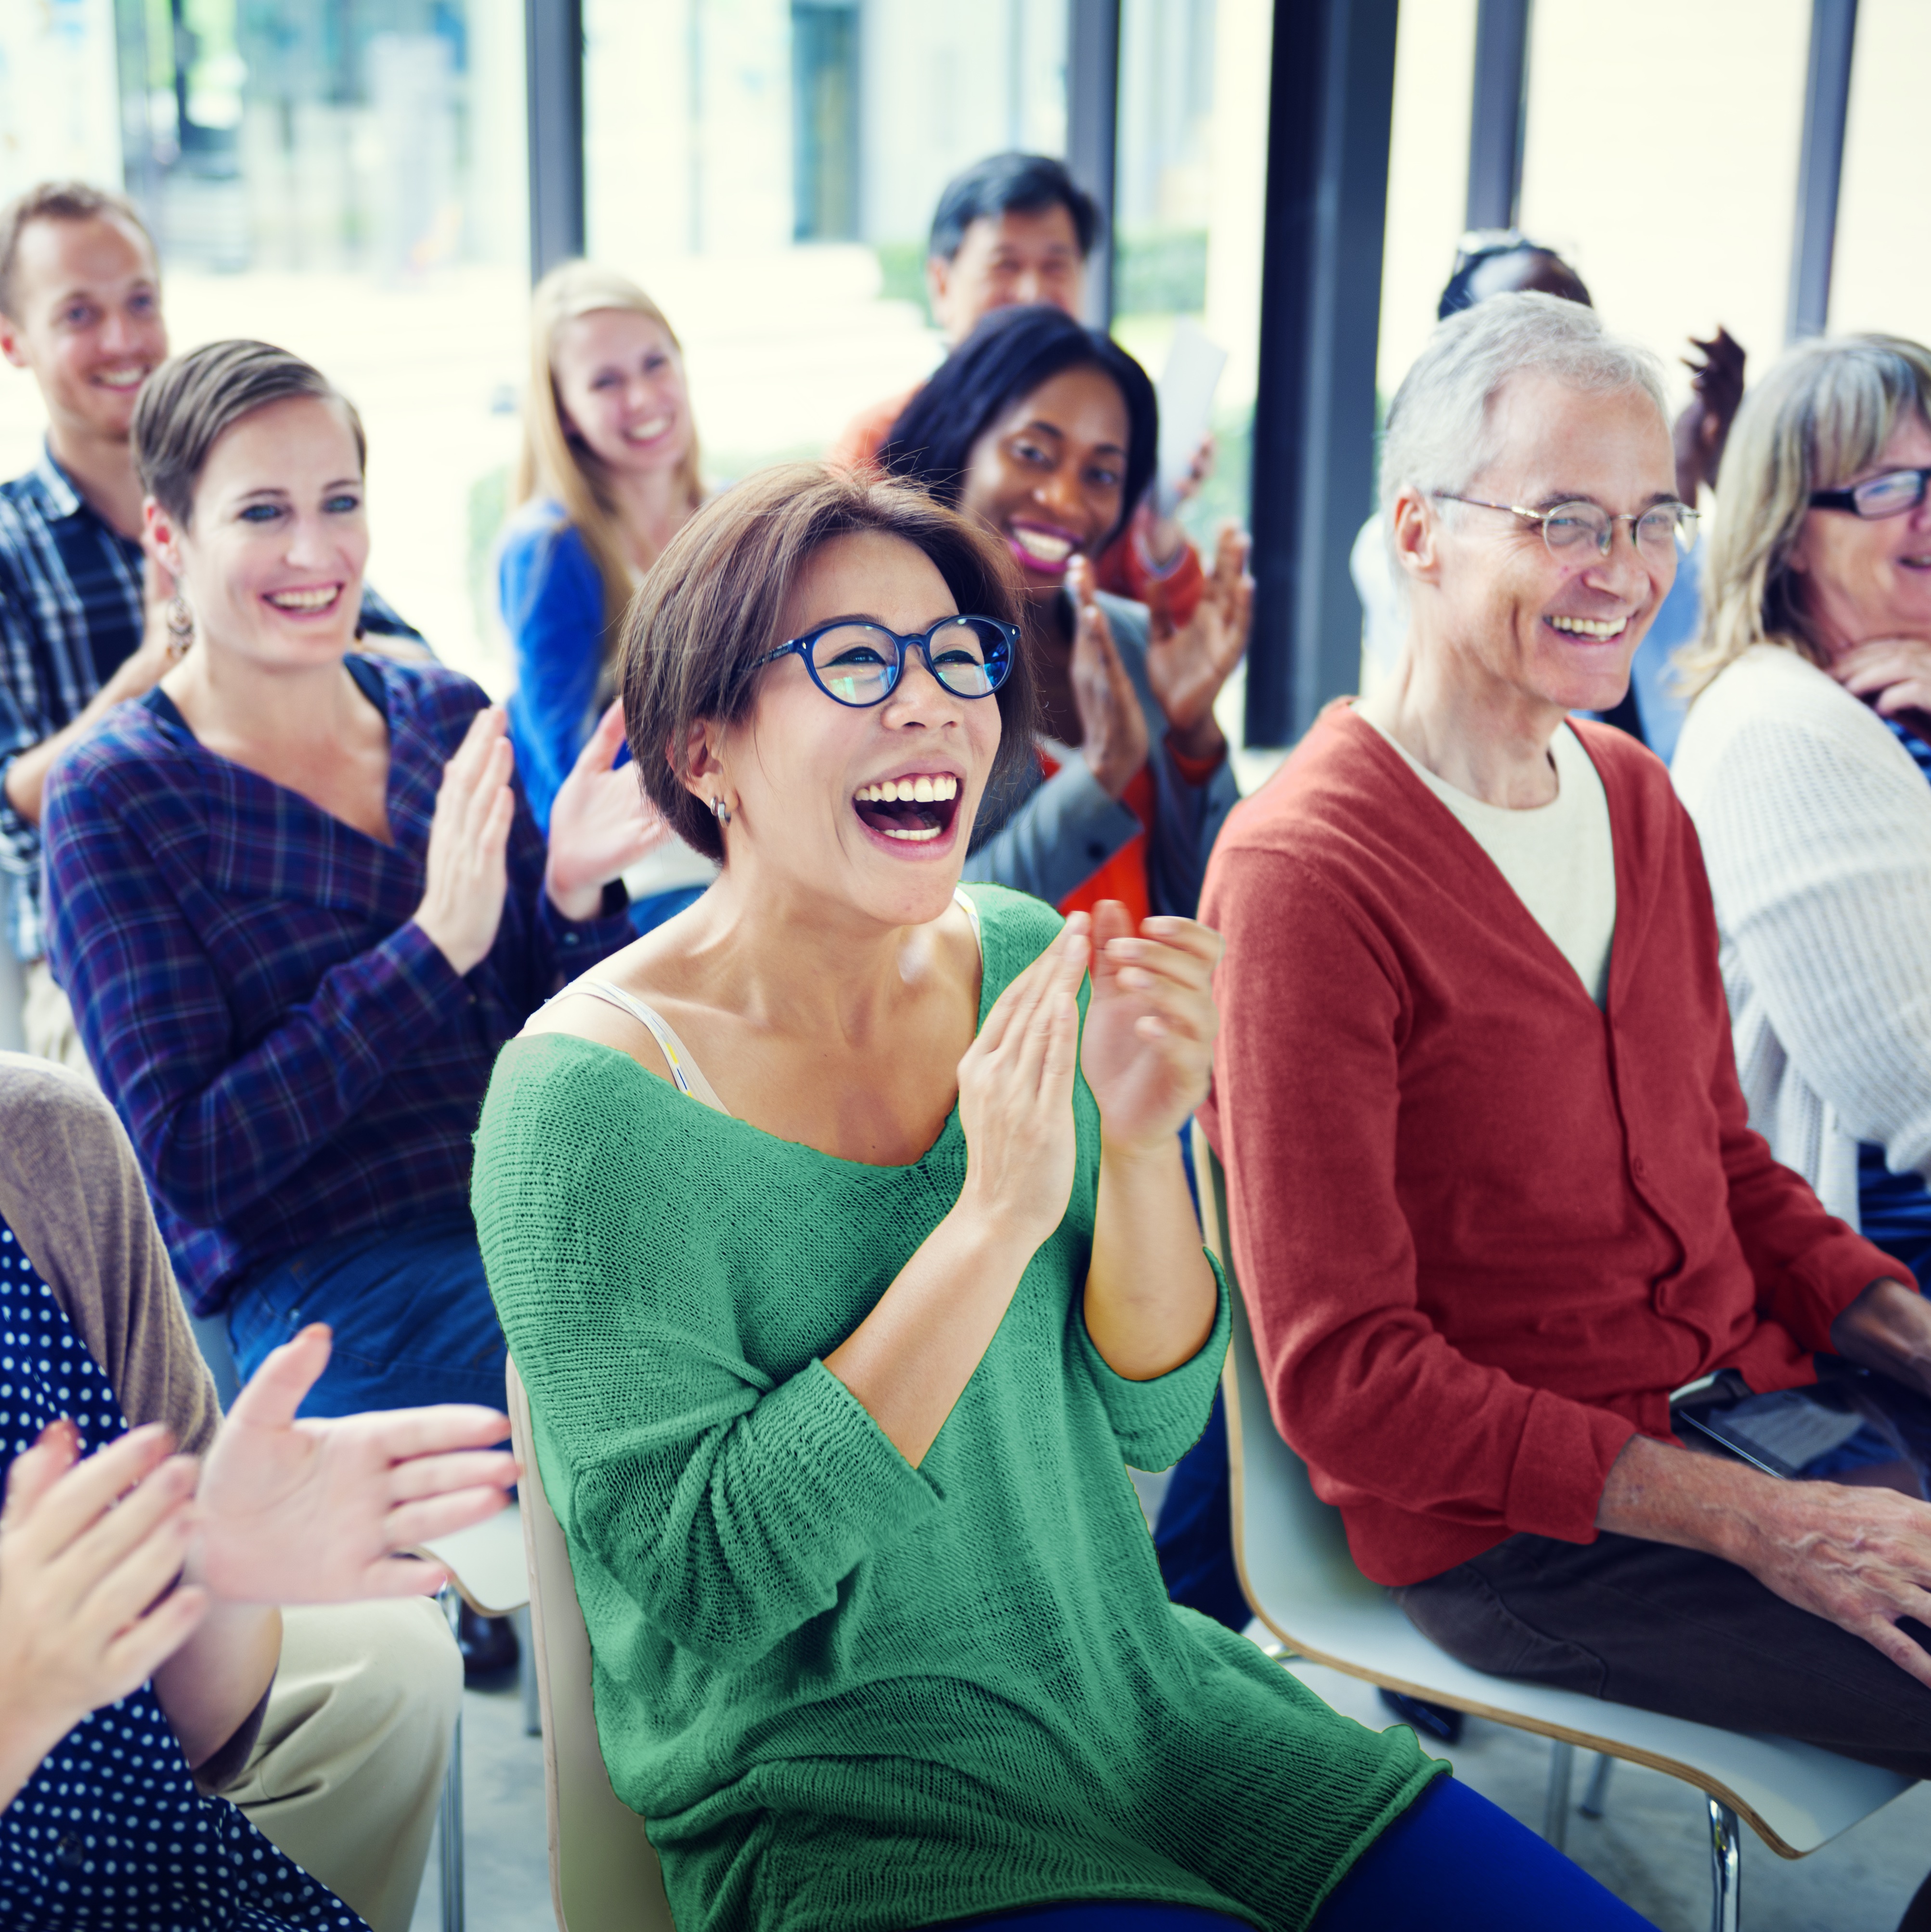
{"x":83,"y":611}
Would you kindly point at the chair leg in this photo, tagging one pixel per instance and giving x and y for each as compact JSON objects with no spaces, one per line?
{"x":449,"y":1817}
{"x":1726,"y":1864}
{"x":1595,"y":1799}
{"x":1555,"y":1808}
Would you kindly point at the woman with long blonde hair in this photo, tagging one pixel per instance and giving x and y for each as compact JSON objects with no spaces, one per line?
{"x":608,"y":475}
{"x":1803,"y":762}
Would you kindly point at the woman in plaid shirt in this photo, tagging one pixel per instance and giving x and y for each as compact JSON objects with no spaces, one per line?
{"x":298,"y":902}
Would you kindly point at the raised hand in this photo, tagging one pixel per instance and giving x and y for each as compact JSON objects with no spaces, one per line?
{"x":1113,"y":727}
{"x":601,"y":824}
{"x":1016,"y":1095}
{"x":467,"y":869}
{"x":1149,"y":1043}
{"x":319,"y":1512}
{"x":87,"y":1549}
{"x":1186,"y":665}
{"x":1716,"y":386}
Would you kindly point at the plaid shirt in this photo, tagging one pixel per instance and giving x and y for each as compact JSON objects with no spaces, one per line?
{"x":293,"y":1057}
{"x":70,"y":616}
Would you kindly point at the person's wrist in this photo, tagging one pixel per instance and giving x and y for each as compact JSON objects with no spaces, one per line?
{"x":1126,"y":1156}
{"x":1001,"y":1239}
{"x":1202,"y":743}
{"x":30,"y":1726}
{"x":576,"y":901}
{"x":1113,"y":769}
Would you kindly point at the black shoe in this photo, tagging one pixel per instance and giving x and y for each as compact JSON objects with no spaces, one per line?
{"x":488,"y":1645}
{"x":1433,"y":1720}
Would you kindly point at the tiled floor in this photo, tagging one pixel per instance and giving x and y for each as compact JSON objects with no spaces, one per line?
{"x":1650,"y":1849}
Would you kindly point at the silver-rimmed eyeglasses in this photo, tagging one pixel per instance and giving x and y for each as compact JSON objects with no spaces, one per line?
{"x":1567,"y":528}
{"x":855,"y":662}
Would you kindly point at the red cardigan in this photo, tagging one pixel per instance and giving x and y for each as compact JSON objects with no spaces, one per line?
{"x":1483,"y":1227}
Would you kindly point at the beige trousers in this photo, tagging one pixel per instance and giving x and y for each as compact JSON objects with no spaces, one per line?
{"x":346,"y":1773}
{"x":46,"y":1022}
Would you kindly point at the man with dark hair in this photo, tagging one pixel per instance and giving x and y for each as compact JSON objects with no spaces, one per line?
{"x":1010,"y":230}
{"x":84,"y":615}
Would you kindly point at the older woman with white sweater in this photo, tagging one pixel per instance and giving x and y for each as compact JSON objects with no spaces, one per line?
{"x":1804,"y":762}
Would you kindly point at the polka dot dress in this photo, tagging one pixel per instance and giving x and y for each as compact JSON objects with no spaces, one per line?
{"x":110,"y":1835}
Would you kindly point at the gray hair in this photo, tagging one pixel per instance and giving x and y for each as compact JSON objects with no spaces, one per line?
{"x":1440,"y":434}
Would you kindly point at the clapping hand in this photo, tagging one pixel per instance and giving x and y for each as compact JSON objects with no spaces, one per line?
{"x":1716,"y":386}
{"x":466,"y":871}
{"x":1113,"y":727}
{"x":317,"y":1512}
{"x":601,"y":824}
{"x":1187,"y":664}
{"x":88,"y":1550}
{"x":1149,"y":1043}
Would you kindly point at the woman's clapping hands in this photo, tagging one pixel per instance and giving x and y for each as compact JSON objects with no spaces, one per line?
{"x":601,"y":824}
{"x":466,"y":871}
{"x":1148,"y":1045}
{"x":1187,"y":664}
{"x":1015,"y":1094}
{"x":88,"y":1550}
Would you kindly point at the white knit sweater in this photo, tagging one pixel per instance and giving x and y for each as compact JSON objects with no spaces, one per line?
{"x":1816,"y":829}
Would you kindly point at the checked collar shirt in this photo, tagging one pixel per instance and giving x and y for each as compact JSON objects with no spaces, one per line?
{"x":70,"y":616}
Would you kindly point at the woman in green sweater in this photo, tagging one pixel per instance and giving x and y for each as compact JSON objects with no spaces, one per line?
{"x":840,"y":1232}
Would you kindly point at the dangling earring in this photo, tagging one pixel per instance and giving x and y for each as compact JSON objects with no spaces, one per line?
{"x":180,"y":628}
{"x":720,"y":811}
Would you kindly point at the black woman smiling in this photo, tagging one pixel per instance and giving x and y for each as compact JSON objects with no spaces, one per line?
{"x":1045,"y":433}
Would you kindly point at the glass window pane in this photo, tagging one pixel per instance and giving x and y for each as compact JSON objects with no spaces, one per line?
{"x":346,"y":180}
{"x":1672,"y":196}
{"x":1878,"y":278}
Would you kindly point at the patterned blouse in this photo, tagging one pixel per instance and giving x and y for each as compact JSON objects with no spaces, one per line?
{"x":111,"y":1834}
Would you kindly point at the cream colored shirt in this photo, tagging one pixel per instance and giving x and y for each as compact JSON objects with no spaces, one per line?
{"x":1557,"y":858}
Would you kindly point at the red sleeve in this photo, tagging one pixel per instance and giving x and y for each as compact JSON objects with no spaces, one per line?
{"x":1123,"y":571}
{"x":1306,"y":1104}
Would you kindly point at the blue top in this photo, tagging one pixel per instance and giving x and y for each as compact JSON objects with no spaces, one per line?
{"x":71,"y":613}
{"x":291,"y":1055}
{"x":110,"y":1834}
{"x":1894,"y":1210}
{"x":549,"y":594}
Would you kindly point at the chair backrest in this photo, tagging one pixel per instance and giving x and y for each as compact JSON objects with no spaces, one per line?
{"x":1305,"y":1550}
{"x":604,"y":1875}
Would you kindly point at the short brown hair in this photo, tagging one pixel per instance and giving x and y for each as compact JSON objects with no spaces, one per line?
{"x":58,"y":201}
{"x":191,"y":401}
{"x":714,"y":602}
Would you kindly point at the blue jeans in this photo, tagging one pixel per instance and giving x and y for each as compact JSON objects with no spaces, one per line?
{"x":411,"y":1310}
{"x":1452,"y":1862}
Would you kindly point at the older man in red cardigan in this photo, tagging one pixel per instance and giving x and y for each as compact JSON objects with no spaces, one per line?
{"x":1494,"y":1197}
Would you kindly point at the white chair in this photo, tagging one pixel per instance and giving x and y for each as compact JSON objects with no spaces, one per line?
{"x":486,"y":1571}
{"x":1304,"y":1587}
{"x":604,"y":1875}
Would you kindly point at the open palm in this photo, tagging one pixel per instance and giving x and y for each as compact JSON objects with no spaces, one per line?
{"x":1147,"y":1047}
{"x":292,"y":1512}
{"x":1187,"y":665}
{"x":601,"y":824}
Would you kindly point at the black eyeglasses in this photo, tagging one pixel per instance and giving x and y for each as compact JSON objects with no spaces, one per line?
{"x":1567,"y":529}
{"x":1889,"y":495}
{"x":858,"y":663}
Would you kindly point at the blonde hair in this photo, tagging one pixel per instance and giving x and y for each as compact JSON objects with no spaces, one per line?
{"x":1824,"y":413}
{"x":555,"y":463}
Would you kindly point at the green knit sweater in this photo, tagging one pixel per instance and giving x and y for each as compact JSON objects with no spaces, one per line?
{"x":847,"y":1693}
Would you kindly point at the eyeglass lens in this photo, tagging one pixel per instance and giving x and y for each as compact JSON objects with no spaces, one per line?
{"x":1889,"y":495}
{"x":858,"y":664}
{"x":1657,"y":532}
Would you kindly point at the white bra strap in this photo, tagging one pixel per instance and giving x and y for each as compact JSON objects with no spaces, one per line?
{"x":969,"y":906}
{"x":684,"y":1070}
